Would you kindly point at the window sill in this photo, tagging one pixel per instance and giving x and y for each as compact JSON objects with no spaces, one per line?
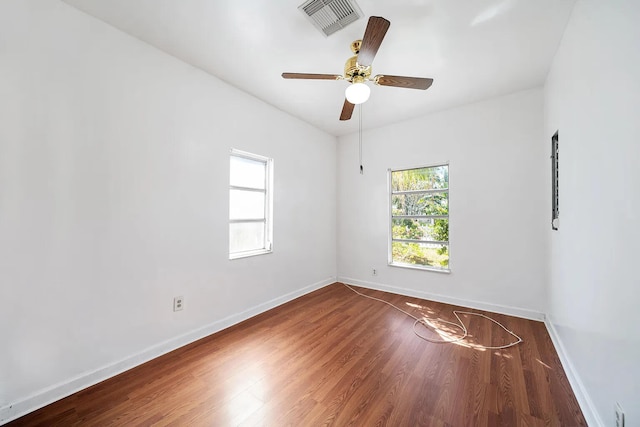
{"x":421,"y":267}
{"x":248,"y":254}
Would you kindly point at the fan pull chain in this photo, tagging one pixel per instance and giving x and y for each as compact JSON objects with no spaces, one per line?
{"x":360,"y":137}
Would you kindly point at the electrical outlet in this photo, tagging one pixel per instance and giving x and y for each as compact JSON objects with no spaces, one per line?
{"x":619,"y":416}
{"x":178,"y":303}
{"x":374,"y":272}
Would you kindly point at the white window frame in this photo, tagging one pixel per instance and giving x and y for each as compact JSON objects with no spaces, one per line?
{"x":268,"y":208}
{"x":391,"y":218}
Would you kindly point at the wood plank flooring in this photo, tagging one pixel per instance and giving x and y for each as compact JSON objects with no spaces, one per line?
{"x":335,"y":358}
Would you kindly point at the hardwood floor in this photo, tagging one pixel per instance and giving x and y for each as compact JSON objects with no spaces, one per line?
{"x":335,"y":358}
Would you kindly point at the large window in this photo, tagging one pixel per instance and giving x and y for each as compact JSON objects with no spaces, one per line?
{"x":250,"y":204}
{"x":419,"y":218}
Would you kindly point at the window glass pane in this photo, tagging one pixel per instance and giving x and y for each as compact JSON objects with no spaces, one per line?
{"x":246,"y":204}
{"x":432,"y":178}
{"x":420,"y":204}
{"x":246,"y":236}
{"x":423,"y":254}
{"x":247,"y":173}
{"x":421,"y":229}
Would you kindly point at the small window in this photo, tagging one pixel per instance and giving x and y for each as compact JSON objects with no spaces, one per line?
{"x":250,"y":204}
{"x":555,"y":199}
{"x":419,"y":218}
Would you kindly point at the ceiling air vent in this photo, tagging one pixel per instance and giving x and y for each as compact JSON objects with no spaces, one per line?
{"x":330,"y":16}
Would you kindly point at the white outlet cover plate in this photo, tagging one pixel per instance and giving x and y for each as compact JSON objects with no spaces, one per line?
{"x":178,"y":303}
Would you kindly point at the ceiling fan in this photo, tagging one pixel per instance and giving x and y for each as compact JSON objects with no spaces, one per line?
{"x":357,"y":69}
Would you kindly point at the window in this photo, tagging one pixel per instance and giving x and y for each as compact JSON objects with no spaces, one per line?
{"x":555,"y":210}
{"x":419,"y":218}
{"x":250,"y":204}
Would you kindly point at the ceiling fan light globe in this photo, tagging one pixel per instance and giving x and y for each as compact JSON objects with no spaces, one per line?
{"x":357,"y":93}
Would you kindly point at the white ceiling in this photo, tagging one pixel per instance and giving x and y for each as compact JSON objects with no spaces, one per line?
{"x":473,"y":49}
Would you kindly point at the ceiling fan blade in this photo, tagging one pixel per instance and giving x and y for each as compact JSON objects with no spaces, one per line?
{"x":311,"y":76}
{"x":373,"y":35}
{"x":405,"y":82}
{"x":347,"y":110}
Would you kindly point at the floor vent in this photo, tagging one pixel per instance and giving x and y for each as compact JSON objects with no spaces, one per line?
{"x":330,"y":16}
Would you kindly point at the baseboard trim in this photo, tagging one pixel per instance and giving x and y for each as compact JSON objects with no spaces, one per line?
{"x":479,"y":305}
{"x":579,"y":390}
{"x":59,"y":391}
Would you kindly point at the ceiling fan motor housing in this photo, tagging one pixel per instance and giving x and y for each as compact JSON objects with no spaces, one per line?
{"x":354,"y":70}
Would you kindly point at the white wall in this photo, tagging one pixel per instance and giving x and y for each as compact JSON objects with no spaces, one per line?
{"x":498,"y":214}
{"x":593,"y":98}
{"x":114,"y":199}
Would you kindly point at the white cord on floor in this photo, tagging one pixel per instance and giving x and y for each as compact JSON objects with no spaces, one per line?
{"x":428,"y":323}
